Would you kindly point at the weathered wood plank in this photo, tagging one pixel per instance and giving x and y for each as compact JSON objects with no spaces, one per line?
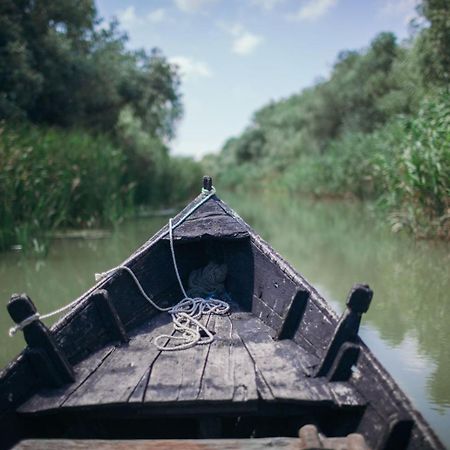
{"x":218,"y":377}
{"x":112,"y":321}
{"x":229,"y":372}
{"x":245,"y":388}
{"x":346,"y":331}
{"x":262,"y":386}
{"x":271,"y":284}
{"x":48,"y":360}
{"x":345,"y":394}
{"x":210,"y":220}
{"x":116,"y":379}
{"x":266,"y":314}
{"x":177,"y":375}
{"x":385,"y":401}
{"x":160,"y":444}
{"x":47,"y":399}
{"x":294,"y":314}
{"x":273,"y":358}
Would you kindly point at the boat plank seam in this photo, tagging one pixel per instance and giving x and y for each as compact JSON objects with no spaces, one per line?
{"x":169,"y":373}
{"x":138,"y":393}
{"x":215,"y":381}
{"x":120,"y":375}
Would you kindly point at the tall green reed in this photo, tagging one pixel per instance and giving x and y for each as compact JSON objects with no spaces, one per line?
{"x":51,"y":178}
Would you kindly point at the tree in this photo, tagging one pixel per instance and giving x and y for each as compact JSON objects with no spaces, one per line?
{"x":435,"y":42}
{"x":59,"y":67}
{"x":20,"y":82}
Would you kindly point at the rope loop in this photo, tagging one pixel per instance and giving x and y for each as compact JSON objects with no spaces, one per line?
{"x":23,"y":324}
{"x":211,"y":191}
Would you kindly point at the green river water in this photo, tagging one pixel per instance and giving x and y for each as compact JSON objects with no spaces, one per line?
{"x":333,"y":244}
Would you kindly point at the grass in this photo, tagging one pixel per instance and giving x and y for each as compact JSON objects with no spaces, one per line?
{"x":52,"y":178}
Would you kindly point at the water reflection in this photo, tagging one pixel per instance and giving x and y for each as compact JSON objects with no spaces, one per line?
{"x":333,"y":244}
{"x":337,"y":244}
{"x":66,"y":272}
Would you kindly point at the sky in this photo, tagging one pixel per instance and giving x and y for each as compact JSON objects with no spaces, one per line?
{"x":236,"y":56}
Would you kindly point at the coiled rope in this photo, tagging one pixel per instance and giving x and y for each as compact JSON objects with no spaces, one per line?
{"x":187,"y":313}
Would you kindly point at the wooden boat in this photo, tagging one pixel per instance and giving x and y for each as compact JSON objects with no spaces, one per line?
{"x":278,"y":360}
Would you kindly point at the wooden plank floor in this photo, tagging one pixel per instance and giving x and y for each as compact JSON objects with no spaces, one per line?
{"x":242,"y":364}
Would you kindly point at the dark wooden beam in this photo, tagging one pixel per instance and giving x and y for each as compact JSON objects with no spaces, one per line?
{"x":341,"y":369}
{"x":294,"y":314}
{"x":44,"y":354}
{"x":398,"y":435}
{"x":346,"y":331}
{"x":109,"y":315}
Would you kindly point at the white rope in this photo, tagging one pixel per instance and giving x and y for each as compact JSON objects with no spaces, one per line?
{"x":186,"y":314}
{"x":24,"y":323}
{"x":205,"y":192}
{"x":175,"y":266}
{"x":186,"y":317}
{"x":20,"y":326}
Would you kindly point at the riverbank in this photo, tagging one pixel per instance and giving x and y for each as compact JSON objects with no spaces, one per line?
{"x":402,"y":168}
{"x":53,"y":178}
{"x":377,"y":128}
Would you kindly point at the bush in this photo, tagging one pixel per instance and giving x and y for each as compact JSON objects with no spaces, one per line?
{"x":417,"y":173}
{"x":51,"y":178}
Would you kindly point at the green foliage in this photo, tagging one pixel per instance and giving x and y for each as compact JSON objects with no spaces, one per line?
{"x":417,"y":175}
{"x":102,"y":116}
{"x":51,"y":178}
{"x":58,"y":67}
{"x":366,"y":89}
{"x":181,"y":180}
{"x":435,"y":42}
{"x":377,"y":129}
{"x":155,"y":177}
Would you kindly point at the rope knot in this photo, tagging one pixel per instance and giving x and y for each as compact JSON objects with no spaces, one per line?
{"x":211,"y":191}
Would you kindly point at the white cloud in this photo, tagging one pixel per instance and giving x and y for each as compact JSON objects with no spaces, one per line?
{"x":128,"y":16}
{"x":405,"y":9}
{"x":156,"y":16}
{"x":189,"y":68}
{"x":244,"y":42}
{"x":266,"y":5}
{"x":313,"y":9}
{"x":193,"y":5}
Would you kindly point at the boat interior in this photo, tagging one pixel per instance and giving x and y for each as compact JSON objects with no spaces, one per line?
{"x":270,"y":369}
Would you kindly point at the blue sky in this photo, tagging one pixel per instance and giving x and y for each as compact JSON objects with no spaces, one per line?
{"x":237,"y":55}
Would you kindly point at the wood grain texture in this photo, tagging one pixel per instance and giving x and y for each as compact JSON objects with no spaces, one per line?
{"x":274,"y":358}
{"x":229,"y":373}
{"x":177,"y":375}
{"x":210,"y":220}
{"x":159,"y":444}
{"x":47,"y":399}
{"x":118,"y":376}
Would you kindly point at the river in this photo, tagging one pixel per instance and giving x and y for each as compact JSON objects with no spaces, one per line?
{"x":333,"y":244}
